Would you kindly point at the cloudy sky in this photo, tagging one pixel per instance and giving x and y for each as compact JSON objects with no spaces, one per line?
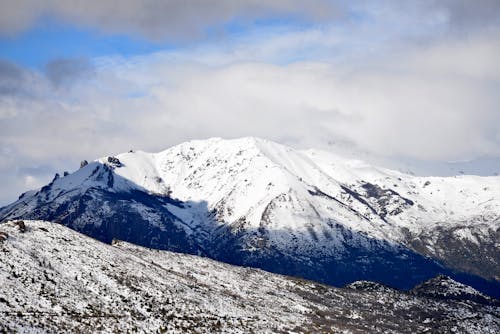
{"x":393,"y":80}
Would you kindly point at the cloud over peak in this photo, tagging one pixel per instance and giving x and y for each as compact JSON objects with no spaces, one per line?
{"x":418,"y":79}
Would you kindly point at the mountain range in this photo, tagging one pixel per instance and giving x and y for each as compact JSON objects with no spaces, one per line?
{"x":305,"y":213}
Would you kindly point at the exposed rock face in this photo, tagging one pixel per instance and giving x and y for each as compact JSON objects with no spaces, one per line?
{"x":113,"y":161}
{"x":56,"y":280}
{"x":304,"y":213}
{"x":466,"y":247}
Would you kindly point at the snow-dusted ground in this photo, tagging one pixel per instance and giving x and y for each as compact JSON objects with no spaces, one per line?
{"x":53,"y":279}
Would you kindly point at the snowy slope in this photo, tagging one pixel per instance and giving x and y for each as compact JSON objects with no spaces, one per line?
{"x":242,"y":177}
{"x":255,"y":202}
{"x":53,"y":279}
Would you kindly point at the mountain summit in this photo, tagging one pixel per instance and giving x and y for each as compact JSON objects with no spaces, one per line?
{"x":307,"y":213}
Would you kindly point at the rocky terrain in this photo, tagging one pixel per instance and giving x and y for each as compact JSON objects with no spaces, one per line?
{"x":55,"y":280}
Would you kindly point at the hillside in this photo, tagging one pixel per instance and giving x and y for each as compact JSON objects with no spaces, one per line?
{"x":56,"y":280}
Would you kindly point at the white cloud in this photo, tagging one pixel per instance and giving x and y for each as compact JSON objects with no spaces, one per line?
{"x":431,"y":103}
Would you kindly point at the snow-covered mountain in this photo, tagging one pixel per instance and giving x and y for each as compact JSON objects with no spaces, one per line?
{"x":55,"y":280}
{"x":306,"y":213}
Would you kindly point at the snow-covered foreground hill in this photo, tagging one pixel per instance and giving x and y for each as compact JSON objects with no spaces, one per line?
{"x":53,"y":279}
{"x":306,"y":213}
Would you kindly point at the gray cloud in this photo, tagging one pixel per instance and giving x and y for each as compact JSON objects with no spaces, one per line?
{"x":457,"y":12}
{"x":156,"y":19}
{"x":465,"y":12}
{"x":67,"y":70}
{"x":13,"y":79}
{"x":181,"y":19}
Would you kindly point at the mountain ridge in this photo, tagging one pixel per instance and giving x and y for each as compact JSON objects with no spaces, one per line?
{"x":253,"y":202}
